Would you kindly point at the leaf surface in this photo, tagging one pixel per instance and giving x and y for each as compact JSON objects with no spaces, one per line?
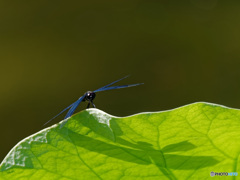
{"x":184,"y":143}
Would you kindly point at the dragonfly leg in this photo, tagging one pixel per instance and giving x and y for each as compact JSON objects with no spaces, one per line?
{"x":93,"y":104}
{"x":88,"y":105}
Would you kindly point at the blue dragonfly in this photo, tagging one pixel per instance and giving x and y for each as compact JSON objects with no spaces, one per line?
{"x":89,"y":97}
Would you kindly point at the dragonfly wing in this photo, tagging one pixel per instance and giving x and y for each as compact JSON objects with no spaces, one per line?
{"x":74,"y":106}
{"x":100,"y":89}
{"x":59,"y":113}
{"x":117,"y":87}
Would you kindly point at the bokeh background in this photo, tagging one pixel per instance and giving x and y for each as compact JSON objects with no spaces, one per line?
{"x":51,"y":52}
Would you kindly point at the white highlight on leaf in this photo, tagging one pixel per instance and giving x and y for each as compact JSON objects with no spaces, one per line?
{"x":15,"y":157}
{"x":100,"y":116}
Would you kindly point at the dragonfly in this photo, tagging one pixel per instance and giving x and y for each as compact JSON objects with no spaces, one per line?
{"x":89,"y":96}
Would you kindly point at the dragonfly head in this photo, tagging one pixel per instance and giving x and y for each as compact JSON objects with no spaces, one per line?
{"x":89,"y":96}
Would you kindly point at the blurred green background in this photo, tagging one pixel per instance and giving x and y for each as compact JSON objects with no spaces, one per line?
{"x":51,"y":52}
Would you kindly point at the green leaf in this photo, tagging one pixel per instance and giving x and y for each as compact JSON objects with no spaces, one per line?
{"x":185,"y":143}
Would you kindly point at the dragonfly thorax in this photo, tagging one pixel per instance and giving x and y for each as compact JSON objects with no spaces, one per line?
{"x":89,"y":96}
